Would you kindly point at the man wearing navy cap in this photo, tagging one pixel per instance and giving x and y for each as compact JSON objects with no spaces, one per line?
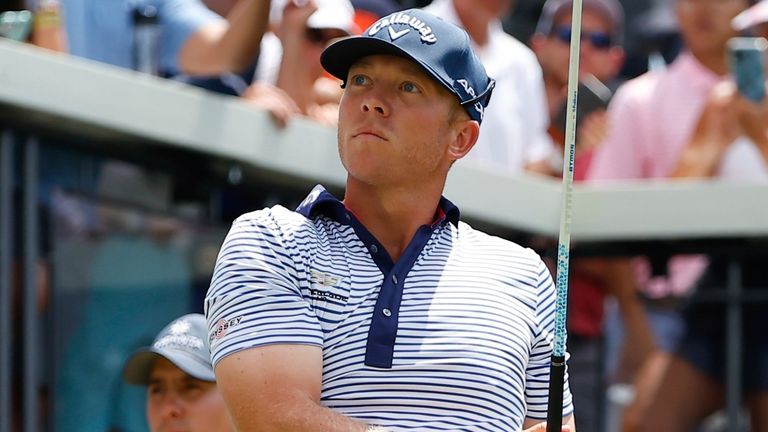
{"x":181,"y":387}
{"x":383,"y":311}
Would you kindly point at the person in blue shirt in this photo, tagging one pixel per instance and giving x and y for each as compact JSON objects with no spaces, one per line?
{"x":193,"y":40}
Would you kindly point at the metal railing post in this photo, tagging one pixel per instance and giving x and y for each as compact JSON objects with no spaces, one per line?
{"x":733,"y":336}
{"x":6,"y":256}
{"x":30,"y":254}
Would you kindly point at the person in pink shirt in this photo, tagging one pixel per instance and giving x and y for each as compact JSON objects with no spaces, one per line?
{"x":686,"y":122}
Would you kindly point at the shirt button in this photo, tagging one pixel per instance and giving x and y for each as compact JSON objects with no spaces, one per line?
{"x":374,"y":249}
{"x":387,"y":312}
{"x":394,"y":279}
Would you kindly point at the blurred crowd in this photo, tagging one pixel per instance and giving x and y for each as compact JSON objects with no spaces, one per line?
{"x":661,"y":104}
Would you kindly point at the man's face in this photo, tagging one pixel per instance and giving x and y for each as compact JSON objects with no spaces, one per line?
{"x":177,"y":402}
{"x":394,"y":126}
{"x":705,"y":25}
{"x":599,"y":56}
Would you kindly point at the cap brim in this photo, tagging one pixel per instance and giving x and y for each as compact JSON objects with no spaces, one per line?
{"x":342,"y":54}
{"x":137,"y":368}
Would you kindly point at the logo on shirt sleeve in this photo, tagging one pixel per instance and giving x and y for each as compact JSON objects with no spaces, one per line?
{"x":223,"y":326}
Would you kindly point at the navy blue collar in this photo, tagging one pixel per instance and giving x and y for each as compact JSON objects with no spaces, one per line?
{"x":380,"y":345}
{"x":322,"y":202}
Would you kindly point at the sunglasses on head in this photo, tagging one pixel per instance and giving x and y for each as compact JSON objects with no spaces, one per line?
{"x":599,"y":40}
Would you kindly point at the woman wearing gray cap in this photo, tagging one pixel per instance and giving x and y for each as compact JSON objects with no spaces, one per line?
{"x":181,"y":387}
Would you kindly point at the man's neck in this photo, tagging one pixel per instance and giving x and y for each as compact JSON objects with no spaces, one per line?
{"x":473,"y":22}
{"x":392,"y":215}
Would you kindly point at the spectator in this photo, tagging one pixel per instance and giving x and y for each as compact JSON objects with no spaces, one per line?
{"x":39,"y":25}
{"x":290,"y":55}
{"x":193,"y":40}
{"x":384,"y":311}
{"x":601,"y":52}
{"x":680,"y":122}
{"x":514,"y":133}
{"x":181,"y":386}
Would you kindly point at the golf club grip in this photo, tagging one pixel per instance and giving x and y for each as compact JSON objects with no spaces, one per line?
{"x":555,"y":399}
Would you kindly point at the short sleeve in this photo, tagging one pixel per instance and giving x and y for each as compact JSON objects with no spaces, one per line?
{"x":537,"y":371}
{"x":254,"y":298}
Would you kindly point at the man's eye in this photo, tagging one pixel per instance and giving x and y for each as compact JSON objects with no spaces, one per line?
{"x":192,"y":387}
{"x":359,"y":80}
{"x":410,"y":87}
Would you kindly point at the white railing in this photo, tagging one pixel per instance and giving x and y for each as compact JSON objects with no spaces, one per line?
{"x":100,"y":99}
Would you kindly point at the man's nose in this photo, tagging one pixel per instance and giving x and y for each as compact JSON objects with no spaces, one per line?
{"x":375,"y":103}
{"x":172,"y":406}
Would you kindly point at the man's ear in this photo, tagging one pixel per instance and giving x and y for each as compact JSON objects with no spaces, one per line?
{"x":465,"y":136}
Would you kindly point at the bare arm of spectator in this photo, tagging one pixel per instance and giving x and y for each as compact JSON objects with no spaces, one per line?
{"x":717,"y":128}
{"x":229,"y":45}
{"x":295,"y":76}
{"x":638,"y":344}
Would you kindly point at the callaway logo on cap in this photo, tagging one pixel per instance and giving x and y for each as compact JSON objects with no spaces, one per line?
{"x":414,"y":23}
{"x":442,"y":49}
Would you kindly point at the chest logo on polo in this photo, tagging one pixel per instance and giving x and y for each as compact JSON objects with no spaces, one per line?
{"x":414,"y":23}
{"x":322,"y":284}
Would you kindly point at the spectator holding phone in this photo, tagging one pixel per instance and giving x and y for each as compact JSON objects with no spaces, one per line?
{"x":684,"y":122}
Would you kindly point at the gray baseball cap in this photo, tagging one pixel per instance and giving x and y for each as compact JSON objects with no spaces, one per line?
{"x":184,"y":342}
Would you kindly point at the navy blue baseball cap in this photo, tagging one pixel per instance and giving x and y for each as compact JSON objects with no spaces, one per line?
{"x":442,"y":49}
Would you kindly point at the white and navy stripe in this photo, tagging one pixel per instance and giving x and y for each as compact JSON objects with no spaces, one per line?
{"x":455,"y":335}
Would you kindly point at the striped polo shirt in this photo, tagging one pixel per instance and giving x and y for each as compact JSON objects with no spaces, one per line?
{"x":455,"y":335}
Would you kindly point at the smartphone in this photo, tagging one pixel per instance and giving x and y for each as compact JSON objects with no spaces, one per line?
{"x":746,"y":56}
{"x":593,"y":95}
